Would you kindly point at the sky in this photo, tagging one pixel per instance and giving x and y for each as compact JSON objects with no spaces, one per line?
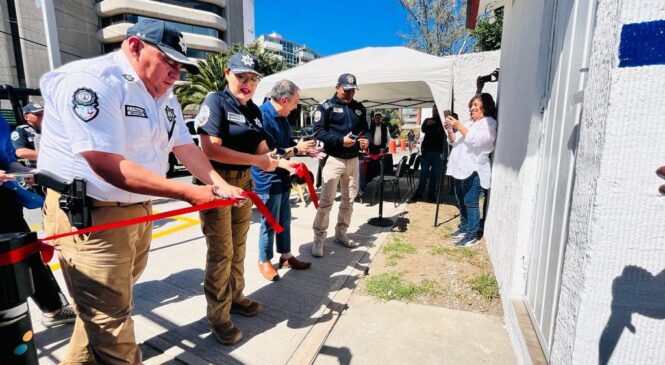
{"x":331,"y":27}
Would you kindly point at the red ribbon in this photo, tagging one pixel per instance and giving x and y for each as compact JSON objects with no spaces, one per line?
{"x":23,"y":252}
{"x":46,"y":250}
{"x":376,"y":157}
{"x":303,"y":172}
{"x":264,"y":210}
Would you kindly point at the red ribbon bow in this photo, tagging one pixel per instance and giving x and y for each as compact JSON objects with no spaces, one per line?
{"x":303,"y":172}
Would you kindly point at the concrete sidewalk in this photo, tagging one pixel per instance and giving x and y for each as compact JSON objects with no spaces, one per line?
{"x":375,"y":332}
{"x":301,"y":309}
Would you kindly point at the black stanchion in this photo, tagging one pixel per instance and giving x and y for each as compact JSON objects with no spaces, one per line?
{"x":17,"y":345}
{"x":442,"y":173}
{"x":380,"y":221}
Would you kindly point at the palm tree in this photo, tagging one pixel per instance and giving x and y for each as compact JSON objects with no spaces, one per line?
{"x":211,"y":73}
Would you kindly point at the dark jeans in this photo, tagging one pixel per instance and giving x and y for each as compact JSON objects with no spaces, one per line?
{"x":467,"y":192}
{"x":280,"y":207}
{"x":48,"y":296}
{"x":430,"y":163}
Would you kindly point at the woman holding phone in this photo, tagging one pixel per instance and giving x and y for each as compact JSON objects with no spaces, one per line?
{"x":469,"y":163}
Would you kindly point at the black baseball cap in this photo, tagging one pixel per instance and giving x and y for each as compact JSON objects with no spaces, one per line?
{"x":243,"y":62}
{"x":165,"y":37}
{"x":347,"y":81}
{"x":33,"y":108}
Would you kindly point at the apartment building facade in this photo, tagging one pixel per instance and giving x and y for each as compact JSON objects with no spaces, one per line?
{"x":294,"y":54}
{"x":87,"y":28}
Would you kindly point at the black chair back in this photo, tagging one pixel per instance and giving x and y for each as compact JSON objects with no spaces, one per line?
{"x":416,"y":164}
{"x":412,"y":158}
{"x":399,"y":172}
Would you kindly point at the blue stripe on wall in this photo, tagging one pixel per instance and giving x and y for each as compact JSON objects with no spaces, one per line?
{"x":642,"y":44}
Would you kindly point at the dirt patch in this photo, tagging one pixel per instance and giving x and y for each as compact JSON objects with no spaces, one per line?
{"x":418,"y":263}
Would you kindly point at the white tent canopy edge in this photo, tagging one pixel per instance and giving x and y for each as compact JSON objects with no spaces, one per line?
{"x":387,"y":77}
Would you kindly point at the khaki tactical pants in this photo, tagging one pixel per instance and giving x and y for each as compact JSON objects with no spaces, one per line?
{"x":225,"y":230}
{"x":100,"y":269}
{"x":336,"y":171}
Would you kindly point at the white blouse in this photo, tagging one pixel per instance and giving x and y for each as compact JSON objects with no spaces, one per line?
{"x":471,"y":153}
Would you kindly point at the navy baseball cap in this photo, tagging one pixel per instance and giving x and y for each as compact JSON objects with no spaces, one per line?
{"x":244,"y":62}
{"x":165,"y":37}
{"x":33,"y":108}
{"x":347,"y":82}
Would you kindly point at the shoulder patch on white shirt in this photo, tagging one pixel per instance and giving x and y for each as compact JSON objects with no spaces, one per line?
{"x":236,"y":117}
{"x":135,"y":111}
{"x":85,"y":104}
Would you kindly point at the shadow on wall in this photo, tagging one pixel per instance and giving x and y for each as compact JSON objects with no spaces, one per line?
{"x":635,"y":291}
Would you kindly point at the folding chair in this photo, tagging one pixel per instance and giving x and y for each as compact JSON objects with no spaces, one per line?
{"x":410,"y":173}
{"x":393,"y":180}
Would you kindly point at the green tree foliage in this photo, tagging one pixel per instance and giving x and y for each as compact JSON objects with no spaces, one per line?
{"x":436,"y":26}
{"x":211,"y":77}
{"x":488,"y":35}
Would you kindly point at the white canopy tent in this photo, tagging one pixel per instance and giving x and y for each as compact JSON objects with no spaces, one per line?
{"x":387,"y":77}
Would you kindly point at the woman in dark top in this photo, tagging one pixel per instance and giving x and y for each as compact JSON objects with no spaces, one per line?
{"x":431,"y":149}
{"x":230,"y":129}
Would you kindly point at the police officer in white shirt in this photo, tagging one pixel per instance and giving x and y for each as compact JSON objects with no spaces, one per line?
{"x":113,"y":120}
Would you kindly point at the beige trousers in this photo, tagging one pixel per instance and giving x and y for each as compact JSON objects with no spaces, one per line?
{"x":336,"y":171}
{"x":100,"y":269}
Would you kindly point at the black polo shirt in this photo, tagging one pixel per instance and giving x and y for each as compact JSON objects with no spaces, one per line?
{"x":239,"y":126}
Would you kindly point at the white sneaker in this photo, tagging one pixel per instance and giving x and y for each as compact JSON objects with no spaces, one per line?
{"x":346,"y":242}
{"x":317,"y":249}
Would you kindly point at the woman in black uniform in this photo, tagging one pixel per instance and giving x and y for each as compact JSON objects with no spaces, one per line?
{"x":230,"y":129}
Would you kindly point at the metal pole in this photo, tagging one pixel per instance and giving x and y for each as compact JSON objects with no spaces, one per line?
{"x":380,"y":221}
{"x":51,"y":30}
{"x":442,"y":173}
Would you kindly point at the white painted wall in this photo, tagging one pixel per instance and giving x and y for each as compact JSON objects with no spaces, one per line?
{"x":521,"y":88}
{"x":467,"y":68}
{"x":616,"y":232}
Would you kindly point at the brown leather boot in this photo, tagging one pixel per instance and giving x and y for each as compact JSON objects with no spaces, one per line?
{"x":246,"y":308}
{"x":268,"y":272}
{"x":227,"y":334}
{"x":293,"y":263}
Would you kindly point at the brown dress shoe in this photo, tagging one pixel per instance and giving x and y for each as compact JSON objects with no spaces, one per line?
{"x":268,"y":271}
{"x":246,"y":308}
{"x":227,"y":334}
{"x":294,"y":263}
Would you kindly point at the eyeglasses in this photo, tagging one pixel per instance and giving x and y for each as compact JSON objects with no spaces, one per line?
{"x":247,"y":77}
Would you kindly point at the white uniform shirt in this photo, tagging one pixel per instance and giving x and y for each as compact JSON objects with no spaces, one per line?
{"x":100,"y":104}
{"x":471,"y":153}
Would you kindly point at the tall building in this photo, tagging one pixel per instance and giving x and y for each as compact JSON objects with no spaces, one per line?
{"x":294,"y":54}
{"x":411,"y":116}
{"x":88,"y":28}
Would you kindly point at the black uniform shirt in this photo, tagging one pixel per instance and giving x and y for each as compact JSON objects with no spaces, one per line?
{"x":239,"y":126}
{"x":333,"y":120}
{"x":25,"y":136}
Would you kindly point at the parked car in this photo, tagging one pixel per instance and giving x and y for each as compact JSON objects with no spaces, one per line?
{"x":174,"y":164}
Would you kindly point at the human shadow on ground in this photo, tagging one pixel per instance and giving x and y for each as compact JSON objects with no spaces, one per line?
{"x":636,"y":290}
{"x":298,"y":300}
{"x":342,"y":354}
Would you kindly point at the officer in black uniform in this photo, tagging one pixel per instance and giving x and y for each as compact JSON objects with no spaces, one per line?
{"x":25,"y":138}
{"x":232,"y":137}
{"x":341,"y":124}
